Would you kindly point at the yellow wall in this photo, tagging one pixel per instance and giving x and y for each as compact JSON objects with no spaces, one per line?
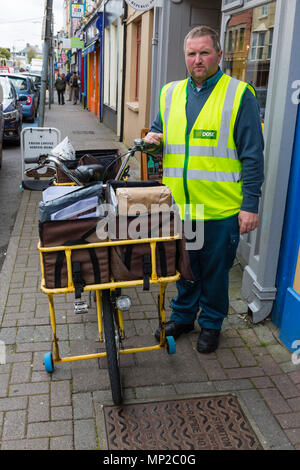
{"x":136,"y":114}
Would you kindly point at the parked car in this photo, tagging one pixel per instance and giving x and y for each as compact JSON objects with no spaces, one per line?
{"x":12,"y":111}
{"x":25,"y":87}
{"x":35,"y":77}
{"x":1,"y":123}
{"x":37,"y":81}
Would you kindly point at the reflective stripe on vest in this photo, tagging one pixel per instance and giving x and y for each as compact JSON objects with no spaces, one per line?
{"x":207,"y":156}
{"x":203,"y":175}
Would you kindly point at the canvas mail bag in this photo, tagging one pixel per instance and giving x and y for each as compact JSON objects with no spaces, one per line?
{"x":133,"y":261}
{"x":89,"y":265}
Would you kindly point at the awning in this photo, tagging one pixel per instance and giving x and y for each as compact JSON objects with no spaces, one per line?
{"x":90,"y":48}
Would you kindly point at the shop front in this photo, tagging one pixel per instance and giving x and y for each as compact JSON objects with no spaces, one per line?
{"x":91,"y":65}
{"x":260,"y":43}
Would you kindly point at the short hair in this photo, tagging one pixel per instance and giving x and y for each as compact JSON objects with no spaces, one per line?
{"x":200,"y":31}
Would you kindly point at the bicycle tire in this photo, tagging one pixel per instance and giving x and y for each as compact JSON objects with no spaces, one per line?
{"x":112,"y":355}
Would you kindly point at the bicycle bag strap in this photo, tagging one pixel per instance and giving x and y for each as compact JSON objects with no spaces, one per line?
{"x":147,"y":271}
{"x":79,"y":282}
{"x":77,"y":279}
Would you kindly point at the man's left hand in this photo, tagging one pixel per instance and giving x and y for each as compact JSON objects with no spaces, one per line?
{"x":248,"y":221}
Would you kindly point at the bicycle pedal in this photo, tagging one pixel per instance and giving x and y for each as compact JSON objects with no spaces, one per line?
{"x":80,"y":306}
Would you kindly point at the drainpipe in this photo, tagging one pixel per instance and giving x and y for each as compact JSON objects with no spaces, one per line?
{"x":124,"y":69}
{"x":155,"y":72}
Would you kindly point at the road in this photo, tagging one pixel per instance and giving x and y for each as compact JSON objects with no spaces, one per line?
{"x":10,"y":192}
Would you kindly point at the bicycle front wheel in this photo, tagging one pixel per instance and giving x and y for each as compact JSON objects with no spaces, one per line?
{"x":112,"y":342}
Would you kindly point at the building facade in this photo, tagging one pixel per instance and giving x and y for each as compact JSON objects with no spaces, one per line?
{"x":141,"y":51}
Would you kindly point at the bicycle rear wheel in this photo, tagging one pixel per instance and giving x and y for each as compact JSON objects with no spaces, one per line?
{"x":112,"y":341}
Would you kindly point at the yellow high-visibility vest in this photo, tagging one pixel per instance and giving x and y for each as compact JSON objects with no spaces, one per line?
{"x":202,"y":167}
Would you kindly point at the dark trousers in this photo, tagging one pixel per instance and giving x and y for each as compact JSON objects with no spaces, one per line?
{"x":75,"y":94}
{"x":210,"y":265}
{"x":60,"y":95}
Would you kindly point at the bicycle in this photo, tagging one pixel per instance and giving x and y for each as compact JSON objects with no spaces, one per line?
{"x":109,"y":303}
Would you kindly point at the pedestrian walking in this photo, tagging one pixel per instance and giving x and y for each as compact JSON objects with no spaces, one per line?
{"x":209,"y":130}
{"x":60,"y":85}
{"x":75,"y":86}
{"x":69,"y":89}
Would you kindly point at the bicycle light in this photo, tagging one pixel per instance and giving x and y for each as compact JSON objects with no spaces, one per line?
{"x":123,"y":302}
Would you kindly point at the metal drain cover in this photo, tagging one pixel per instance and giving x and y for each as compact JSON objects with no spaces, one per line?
{"x":206,"y":423}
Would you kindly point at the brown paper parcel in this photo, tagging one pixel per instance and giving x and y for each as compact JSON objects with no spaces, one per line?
{"x":143,"y":200}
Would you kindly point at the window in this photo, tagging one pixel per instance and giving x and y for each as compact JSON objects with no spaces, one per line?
{"x":19,"y":83}
{"x":7,"y":88}
{"x":257,"y":46}
{"x":242,"y":39}
{"x":250,"y":59}
{"x":138,"y":58}
{"x":229,"y":46}
{"x":271,"y":31}
{"x":227,"y":4}
{"x":111,"y":66}
{"x":113,"y":76}
{"x":265,"y":10}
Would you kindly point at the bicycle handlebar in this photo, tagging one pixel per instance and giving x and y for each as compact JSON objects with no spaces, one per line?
{"x":139,"y":146}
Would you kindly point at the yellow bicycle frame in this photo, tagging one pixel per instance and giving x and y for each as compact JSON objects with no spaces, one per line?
{"x":162,"y":281}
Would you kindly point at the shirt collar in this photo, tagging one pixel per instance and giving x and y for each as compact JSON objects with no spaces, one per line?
{"x":209,"y":82}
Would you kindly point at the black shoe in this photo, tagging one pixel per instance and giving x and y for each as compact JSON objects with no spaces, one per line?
{"x":208,"y":340}
{"x":174,"y":329}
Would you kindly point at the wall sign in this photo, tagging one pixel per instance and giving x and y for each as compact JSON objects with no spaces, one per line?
{"x":77,"y":10}
{"x":142,"y":5}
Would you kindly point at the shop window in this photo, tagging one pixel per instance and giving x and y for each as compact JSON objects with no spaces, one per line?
{"x":250,"y":59}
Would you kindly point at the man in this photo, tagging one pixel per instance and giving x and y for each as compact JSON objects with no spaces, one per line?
{"x":60,"y":85}
{"x":210,"y":130}
{"x":75,"y":87}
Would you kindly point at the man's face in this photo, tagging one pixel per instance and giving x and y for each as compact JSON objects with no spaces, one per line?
{"x":201,"y":58}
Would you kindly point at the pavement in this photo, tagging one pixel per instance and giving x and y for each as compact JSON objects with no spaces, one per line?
{"x":64,"y":411}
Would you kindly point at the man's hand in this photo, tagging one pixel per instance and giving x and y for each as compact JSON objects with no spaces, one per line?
{"x":248,"y":221}
{"x":153,"y":138}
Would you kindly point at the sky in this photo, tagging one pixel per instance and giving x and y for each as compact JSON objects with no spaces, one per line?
{"x":21,"y":22}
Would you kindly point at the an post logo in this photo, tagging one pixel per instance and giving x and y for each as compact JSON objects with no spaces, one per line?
{"x":205,"y":134}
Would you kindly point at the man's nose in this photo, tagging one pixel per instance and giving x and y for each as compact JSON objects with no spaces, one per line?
{"x":198,"y":58}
